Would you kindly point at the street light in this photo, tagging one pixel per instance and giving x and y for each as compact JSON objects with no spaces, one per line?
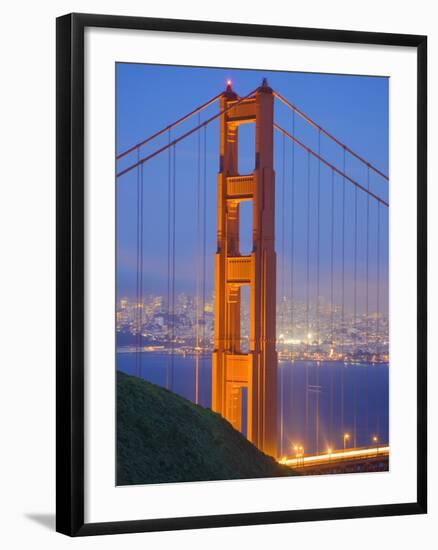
{"x":329,"y":450}
{"x":346,"y":438}
{"x":296,"y":448}
{"x":299,"y":453}
{"x":376,"y":441}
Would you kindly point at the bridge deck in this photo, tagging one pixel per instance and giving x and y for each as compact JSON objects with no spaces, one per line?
{"x":357,"y":453}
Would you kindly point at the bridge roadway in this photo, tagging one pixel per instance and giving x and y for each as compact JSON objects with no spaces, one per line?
{"x":336,"y":456}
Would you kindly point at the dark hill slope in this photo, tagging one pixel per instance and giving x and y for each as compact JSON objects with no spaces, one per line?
{"x":162,"y":437}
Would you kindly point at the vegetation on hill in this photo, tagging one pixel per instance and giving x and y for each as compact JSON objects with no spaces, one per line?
{"x":162,"y":437}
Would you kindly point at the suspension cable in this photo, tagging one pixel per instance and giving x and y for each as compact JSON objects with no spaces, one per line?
{"x":185,"y":135}
{"x":330,"y":136}
{"x":169,"y":127}
{"x":327,"y":163}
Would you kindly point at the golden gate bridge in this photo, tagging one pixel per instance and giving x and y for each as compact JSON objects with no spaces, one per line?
{"x":350,"y":189}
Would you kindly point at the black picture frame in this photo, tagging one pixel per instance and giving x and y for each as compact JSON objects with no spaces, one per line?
{"x":70,"y":273}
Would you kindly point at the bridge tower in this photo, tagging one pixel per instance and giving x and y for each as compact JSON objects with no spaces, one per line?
{"x":233,"y":370}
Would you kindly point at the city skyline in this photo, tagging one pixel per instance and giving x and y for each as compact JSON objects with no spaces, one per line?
{"x":365,"y":334}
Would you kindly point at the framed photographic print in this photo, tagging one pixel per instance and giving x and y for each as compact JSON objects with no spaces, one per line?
{"x":241,"y":274}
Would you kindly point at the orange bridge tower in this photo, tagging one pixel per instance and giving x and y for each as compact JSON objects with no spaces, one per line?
{"x":233,"y":370}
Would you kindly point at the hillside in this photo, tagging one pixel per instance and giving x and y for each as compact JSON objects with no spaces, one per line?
{"x":162,"y":437}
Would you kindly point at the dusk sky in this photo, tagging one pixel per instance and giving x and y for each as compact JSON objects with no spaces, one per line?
{"x":352,"y":108}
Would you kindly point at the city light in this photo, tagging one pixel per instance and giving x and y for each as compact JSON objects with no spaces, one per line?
{"x":293,"y":343}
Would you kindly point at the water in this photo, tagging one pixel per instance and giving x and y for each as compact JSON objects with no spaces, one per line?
{"x":341,"y":398}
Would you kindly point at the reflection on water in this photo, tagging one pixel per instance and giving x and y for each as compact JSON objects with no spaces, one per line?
{"x":340,"y":399}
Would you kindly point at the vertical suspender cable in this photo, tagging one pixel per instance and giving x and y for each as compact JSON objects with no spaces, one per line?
{"x":343,"y":292}
{"x":355,"y":302}
{"x":283,"y":203}
{"x":366,"y":297}
{"x":172,"y":370}
{"x":137,"y":286}
{"x":169,"y":213}
{"x":332,"y":305}
{"x":292,"y":242}
{"x":367,"y":261}
{"x":355,"y":273}
{"x":307,"y":291}
{"x":378,"y":309}
{"x":292,"y":267}
{"x":204,"y":230}
{"x":367,"y":382}
{"x":283,"y":236}
{"x":378,"y":285}
{"x":281,"y":411}
{"x":198,"y":260}
{"x":318,"y":238}
{"x":355,"y":411}
{"x":308,"y":254}
{"x":141,"y":269}
{"x":332,"y":256}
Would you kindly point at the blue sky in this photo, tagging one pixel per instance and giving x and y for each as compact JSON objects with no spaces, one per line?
{"x":353,"y":108}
